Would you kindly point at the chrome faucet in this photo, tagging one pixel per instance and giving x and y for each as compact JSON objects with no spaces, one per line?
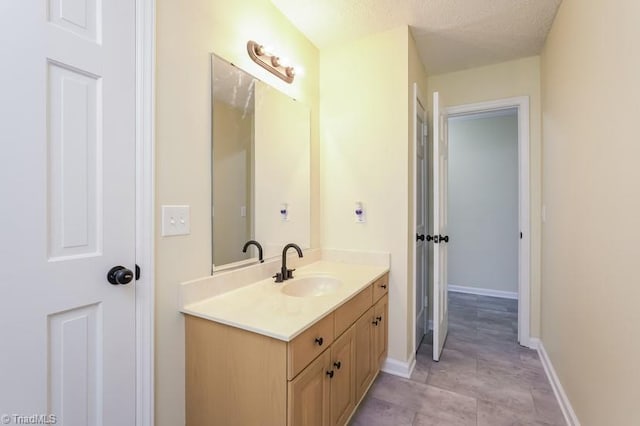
{"x":255,"y":243}
{"x":285,"y":273}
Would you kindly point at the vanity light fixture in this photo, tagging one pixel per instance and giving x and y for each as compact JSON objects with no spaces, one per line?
{"x":270,"y":62}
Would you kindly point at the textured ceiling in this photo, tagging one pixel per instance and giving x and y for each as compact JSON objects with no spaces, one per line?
{"x":451,"y":34}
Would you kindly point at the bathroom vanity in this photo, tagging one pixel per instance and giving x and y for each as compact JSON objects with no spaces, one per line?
{"x":302,"y":352}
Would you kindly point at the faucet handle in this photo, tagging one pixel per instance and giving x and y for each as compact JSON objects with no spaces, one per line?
{"x":290,"y":273}
{"x":278,"y":277}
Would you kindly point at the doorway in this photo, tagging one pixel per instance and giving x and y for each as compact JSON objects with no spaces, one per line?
{"x":483,"y":203}
{"x":520,"y":106}
{"x":504,"y":107}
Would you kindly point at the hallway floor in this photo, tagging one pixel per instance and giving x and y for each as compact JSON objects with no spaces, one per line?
{"x":484,"y":377}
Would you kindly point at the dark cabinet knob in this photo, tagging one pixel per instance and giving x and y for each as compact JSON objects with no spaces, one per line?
{"x":444,"y":238}
{"x":383,"y":286}
{"x":330,"y":374}
{"x":375,"y":322}
{"x":337,"y":365}
{"x":379,"y":319}
{"x":119,"y":275}
{"x":419,"y":237}
{"x":319,"y":341}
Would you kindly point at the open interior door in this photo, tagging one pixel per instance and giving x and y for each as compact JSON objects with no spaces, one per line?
{"x":67,"y":183}
{"x":440,"y":237}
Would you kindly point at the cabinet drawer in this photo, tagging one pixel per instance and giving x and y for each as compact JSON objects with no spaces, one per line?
{"x":348,"y":313}
{"x":380,"y":287}
{"x":307,"y":346}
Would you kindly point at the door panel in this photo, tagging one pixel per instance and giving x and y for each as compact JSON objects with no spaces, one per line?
{"x":67,"y":179}
{"x":364,"y":364}
{"x":421,"y":225}
{"x":440,"y":175}
{"x":309,"y":403}
{"x":343,"y":392}
{"x":380,"y":331}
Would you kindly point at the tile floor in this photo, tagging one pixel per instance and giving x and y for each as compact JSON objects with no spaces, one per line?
{"x":484,"y":378}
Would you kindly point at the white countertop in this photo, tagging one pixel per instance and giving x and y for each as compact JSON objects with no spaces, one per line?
{"x":262,"y":308}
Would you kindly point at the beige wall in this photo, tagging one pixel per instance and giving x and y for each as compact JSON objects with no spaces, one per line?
{"x":591,"y":284}
{"x":186,"y":33}
{"x":364,"y":110}
{"x":514,"y":78}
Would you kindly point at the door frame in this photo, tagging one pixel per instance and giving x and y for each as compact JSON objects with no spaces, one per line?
{"x":521,"y":103}
{"x":417,"y":97}
{"x":145,"y":210}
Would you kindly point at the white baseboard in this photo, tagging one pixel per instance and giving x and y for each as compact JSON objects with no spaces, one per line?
{"x":399,"y":368}
{"x":484,"y":292}
{"x":565,"y":405}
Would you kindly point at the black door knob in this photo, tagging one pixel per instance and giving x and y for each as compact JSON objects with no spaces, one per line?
{"x":119,"y":275}
{"x":419,"y":237}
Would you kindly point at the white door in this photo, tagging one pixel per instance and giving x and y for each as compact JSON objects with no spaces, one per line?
{"x":421,"y":223}
{"x":67,"y":185}
{"x":440,"y":237}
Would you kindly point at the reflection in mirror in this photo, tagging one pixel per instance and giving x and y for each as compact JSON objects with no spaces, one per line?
{"x":260,"y":167}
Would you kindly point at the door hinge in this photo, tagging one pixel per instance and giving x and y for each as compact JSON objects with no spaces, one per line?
{"x":137,"y":272}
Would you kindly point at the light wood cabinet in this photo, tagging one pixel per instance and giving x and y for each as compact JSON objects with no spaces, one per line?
{"x":309,"y":392}
{"x":343,"y":390}
{"x":380,"y":330}
{"x":308,"y":345}
{"x":365,"y":365}
{"x":236,"y":377}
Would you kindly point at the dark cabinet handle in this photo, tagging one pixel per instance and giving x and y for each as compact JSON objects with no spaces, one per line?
{"x":337,"y":365}
{"x":375,"y":322}
{"x":379,"y":319}
{"x":383,"y":286}
{"x":444,"y":238}
{"x":419,"y":237}
{"x":330,"y":374}
{"x":319,"y":341}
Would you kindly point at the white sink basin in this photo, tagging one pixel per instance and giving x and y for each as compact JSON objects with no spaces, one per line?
{"x":311,"y":285}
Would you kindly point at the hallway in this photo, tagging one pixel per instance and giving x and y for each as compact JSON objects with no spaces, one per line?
{"x":484,"y":377}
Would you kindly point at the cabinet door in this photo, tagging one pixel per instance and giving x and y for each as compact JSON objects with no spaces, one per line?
{"x":343,"y":391}
{"x":365,"y":363}
{"x":380,"y":330}
{"x":309,"y":403}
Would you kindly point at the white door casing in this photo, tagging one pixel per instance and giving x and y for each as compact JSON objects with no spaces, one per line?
{"x":440,"y":201}
{"x":67,"y":176}
{"x":421,"y":222}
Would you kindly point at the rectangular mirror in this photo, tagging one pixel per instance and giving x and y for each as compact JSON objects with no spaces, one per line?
{"x":260,"y":167}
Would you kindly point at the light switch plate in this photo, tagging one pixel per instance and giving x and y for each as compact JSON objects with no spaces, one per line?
{"x":176,"y":220}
